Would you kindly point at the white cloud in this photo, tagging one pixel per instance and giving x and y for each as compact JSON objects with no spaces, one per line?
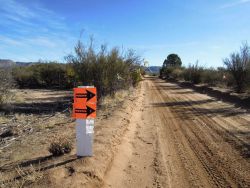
{"x":15,"y":14}
{"x":234,"y":3}
{"x":9,"y":41}
{"x":32,"y":30}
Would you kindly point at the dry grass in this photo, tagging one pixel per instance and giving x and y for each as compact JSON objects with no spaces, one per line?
{"x":23,"y":177}
{"x":117,"y":98}
{"x":36,"y":133}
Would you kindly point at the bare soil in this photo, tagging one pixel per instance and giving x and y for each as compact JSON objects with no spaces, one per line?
{"x":162,"y":135}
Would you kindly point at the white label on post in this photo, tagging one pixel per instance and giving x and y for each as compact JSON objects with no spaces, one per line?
{"x":90,"y":126}
{"x":90,"y":121}
{"x":89,"y":129}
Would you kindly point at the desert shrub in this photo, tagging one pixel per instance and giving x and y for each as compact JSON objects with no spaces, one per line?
{"x":26,"y":77}
{"x":44,"y":75}
{"x":227,"y":80}
{"x":193,"y":73}
{"x":168,"y":72}
{"x":161,"y":72}
{"x":6,"y":83}
{"x":136,"y":77}
{"x":177,"y":73}
{"x":108,"y":70}
{"x":248,"y":85}
{"x":211,"y":76}
{"x":52,"y":74}
{"x":237,"y":64}
{"x":248,"y":77}
{"x":59,"y":146}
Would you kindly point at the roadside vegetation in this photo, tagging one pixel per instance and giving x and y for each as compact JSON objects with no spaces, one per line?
{"x":60,"y":145}
{"x":235,"y":74}
{"x":6,"y":82}
{"x":108,"y":69}
{"x":36,"y":129}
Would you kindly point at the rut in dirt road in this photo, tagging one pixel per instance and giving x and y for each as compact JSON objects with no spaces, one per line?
{"x":179,"y":138}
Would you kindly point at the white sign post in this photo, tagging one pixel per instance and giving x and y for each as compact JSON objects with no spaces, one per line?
{"x":84,"y":135}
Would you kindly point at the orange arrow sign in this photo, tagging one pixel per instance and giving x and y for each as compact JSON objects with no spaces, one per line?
{"x":83,"y":95}
{"x":83,"y":110}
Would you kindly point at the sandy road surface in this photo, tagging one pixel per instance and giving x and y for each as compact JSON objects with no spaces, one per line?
{"x":178,"y":138}
{"x":159,"y":135}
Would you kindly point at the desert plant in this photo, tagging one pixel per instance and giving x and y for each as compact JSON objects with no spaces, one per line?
{"x":237,"y":64}
{"x":109,"y":71}
{"x":193,"y":73}
{"x":44,"y":75}
{"x":60,"y":145}
{"x":177,"y":73}
{"x":136,"y":77}
{"x":6,"y":84}
{"x":211,"y":76}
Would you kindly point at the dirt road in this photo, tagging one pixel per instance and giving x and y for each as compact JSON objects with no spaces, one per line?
{"x":157,"y":135}
{"x":179,"y":138}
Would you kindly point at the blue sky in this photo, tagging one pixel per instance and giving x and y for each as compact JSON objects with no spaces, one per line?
{"x":204,"y":30}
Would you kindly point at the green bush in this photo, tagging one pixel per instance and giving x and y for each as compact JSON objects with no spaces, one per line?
{"x":26,"y":77}
{"x":136,"y":77}
{"x":211,"y":76}
{"x":236,"y":74}
{"x":238,"y":64}
{"x":177,"y":73}
{"x":109,"y":71}
{"x":43,"y":75}
{"x":193,"y":73}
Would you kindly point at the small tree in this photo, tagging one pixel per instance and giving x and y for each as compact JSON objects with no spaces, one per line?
{"x":237,"y":64}
{"x":172,"y":60}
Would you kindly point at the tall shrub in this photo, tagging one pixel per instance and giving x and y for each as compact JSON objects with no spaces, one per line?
{"x":193,"y":73}
{"x":237,"y":64}
{"x":108,"y":70}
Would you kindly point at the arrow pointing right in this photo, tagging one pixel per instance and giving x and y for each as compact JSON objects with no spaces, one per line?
{"x":89,"y":111}
{"x":90,"y":95}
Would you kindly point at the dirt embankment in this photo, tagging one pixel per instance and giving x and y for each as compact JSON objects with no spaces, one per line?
{"x":225,"y":95}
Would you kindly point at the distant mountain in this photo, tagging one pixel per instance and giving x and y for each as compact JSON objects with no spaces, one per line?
{"x":153,"y":69}
{"x":24,"y":63}
{"x":6,"y":63}
{"x":10,"y":63}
